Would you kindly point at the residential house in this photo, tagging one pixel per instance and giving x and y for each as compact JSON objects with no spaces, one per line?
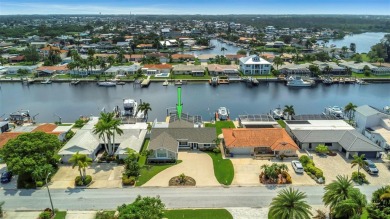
{"x":4,"y":126}
{"x":194,"y":70}
{"x":337,"y":135}
{"x":254,"y":65}
{"x":51,"y":70}
{"x":152,"y":69}
{"x":39,"y":45}
{"x":145,"y":46}
{"x":162,"y":57}
{"x":295,"y":69}
{"x":233,"y":57}
{"x":258,"y":141}
{"x":206,"y":57}
{"x":182,"y":57}
{"x":374,"y":124}
{"x":123,"y":70}
{"x":216,"y":69}
{"x":16,"y":59}
{"x":257,"y":121}
{"x":357,"y":67}
{"x":134,"y":57}
{"x":12,"y":70}
{"x":333,"y":67}
{"x":381,"y":71}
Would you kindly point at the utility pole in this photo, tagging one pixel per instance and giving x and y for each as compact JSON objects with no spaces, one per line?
{"x":48,"y":191}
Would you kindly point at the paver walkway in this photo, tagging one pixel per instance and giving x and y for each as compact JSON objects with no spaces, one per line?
{"x":195,"y":164}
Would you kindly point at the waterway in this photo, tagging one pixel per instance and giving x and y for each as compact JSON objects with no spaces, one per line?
{"x":363,"y":41}
{"x":230,"y":49}
{"x":69,"y":102}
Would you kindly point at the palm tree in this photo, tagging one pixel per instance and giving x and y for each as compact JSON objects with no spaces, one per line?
{"x":337,"y":191}
{"x":358,"y":161}
{"x":223,"y":49}
{"x":82,"y":162}
{"x":328,"y":69}
{"x":144,"y":107}
{"x":380,"y":60}
{"x":278,"y":61}
{"x":349,"y":110}
{"x":289,"y":204}
{"x":320,"y":215}
{"x":289,"y":109}
{"x":106,"y":128}
{"x":352,"y":206}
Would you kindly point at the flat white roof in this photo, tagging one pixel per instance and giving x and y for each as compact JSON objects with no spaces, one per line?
{"x":382,"y":132}
{"x":320,"y":125}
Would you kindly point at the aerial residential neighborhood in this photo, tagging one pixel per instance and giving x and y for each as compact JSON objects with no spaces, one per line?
{"x":112,"y":110}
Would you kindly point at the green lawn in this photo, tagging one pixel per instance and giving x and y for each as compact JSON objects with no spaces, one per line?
{"x":198,"y":213}
{"x":60,"y":215}
{"x":281,"y":123}
{"x":264,"y":76}
{"x":219,"y":125}
{"x":361,"y":75}
{"x":223,"y":168}
{"x":142,"y":158}
{"x":149,"y":171}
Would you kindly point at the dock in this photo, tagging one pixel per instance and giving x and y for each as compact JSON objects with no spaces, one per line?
{"x":145,"y":82}
{"x":75,"y":82}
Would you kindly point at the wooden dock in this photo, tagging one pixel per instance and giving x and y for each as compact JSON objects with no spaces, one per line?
{"x":145,"y":82}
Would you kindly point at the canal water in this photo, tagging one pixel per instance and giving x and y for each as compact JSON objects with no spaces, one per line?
{"x":230,"y":49}
{"x":70,"y":102}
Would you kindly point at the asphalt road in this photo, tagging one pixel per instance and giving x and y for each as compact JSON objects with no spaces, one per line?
{"x":203,"y":197}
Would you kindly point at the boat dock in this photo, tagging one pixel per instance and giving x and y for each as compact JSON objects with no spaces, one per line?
{"x":145,"y":82}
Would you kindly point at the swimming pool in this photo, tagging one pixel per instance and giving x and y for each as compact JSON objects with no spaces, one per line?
{"x":162,"y":75}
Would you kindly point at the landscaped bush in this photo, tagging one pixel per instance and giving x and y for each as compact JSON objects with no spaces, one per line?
{"x":39,"y":183}
{"x":87,"y":180}
{"x":79,"y":182}
{"x":309,"y":167}
{"x":128,"y":181}
{"x":359,"y":178}
{"x":304,"y":159}
{"x":217,"y":150}
{"x":45,"y":215}
{"x":105,"y":215}
{"x":25,"y":182}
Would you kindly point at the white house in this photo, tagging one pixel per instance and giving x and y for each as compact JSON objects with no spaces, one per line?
{"x":254,"y":65}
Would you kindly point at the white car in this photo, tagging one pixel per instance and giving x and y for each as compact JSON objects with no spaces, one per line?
{"x":297,"y":166}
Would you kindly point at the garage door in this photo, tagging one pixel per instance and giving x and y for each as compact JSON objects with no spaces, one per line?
{"x":368,"y":154}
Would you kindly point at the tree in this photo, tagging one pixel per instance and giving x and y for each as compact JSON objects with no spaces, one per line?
{"x":30,"y":151}
{"x":289,"y":204}
{"x":82,"y":162}
{"x":31,"y":54}
{"x":223,"y":49}
{"x":337,"y":191}
{"x":22,"y":72}
{"x":349,"y":110}
{"x":357,"y":58}
{"x":359,"y":162}
{"x":352,"y":47}
{"x":241,"y":52}
{"x":144,"y":107}
{"x":278,"y":61}
{"x":352,"y":206}
{"x":182,"y":178}
{"x":40,"y":173}
{"x":322,"y":149}
{"x":320,"y":215}
{"x":380,"y":60}
{"x":314,"y":69}
{"x":366,"y":70}
{"x":344,"y":49}
{"x":328,"y":69}
{"x":106,"y":128}
{"x":289,"y":109}
{"x":146,"y":207}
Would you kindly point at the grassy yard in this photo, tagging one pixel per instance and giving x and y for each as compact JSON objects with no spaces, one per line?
{"x":149,"y":171}
{"x":223,"y":168}
{"x":198,"y":213}
{"x":60,"y":215}
{"x":219,"y":125}
{"x":281,"y":123}
{"x":361,"y":75}
{"x":142,"y":158}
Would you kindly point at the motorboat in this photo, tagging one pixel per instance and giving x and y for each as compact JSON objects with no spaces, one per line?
{"x":223,"y":113}
{"x":47,"y":81}
{"x":327,"y":81}
{"x":130,"y":107}
{"x":298,"y":82}
{"x":277,"y":113}
{"x":165,"y":83}
{"x":121,"y":83}
{"x":254,"y":81}
{"x":106,"y":83}
{"x":214,"y":81}
{"x":334,"y":111}
{"x":361,"y":82}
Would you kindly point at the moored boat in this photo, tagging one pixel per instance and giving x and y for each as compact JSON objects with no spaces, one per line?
{"x":298,"y":82}
{"x":334,"y":111}
{"x":47,"y":81}
{"x":222,"y":113}
{"x":165,"y":83}
{"x":106,"y":84}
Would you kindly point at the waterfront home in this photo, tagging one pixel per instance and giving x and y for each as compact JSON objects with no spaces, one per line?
{"x":216,"y":69}
{"x":13,"y":70}
{"x":134,"y":57}
{"x":258,"y":142}
{"x":152,"y":69}
{"x":380,"y":71}
{"x":233,"y":57}
{"x":162,"y":57}
{"x":357,"y":67}
{"x":51,"y":70}
{"x":276,"y":44}
{"x":122,"y":70}
{"x":332,"y":66}
{"x":55,"y":50}
{"x":169,"y":43}
{"x":268,"y":56}
{"x":295,"y":69}
{"x":16,"y":59}
{"x":4,"y":126}
{"x":194,"y":70}
{"x":206,"y":57}
{"x":182,"y":57}
{"x":85,"y":142}
{"x":254,"y":65}
{"x":374,"y":124}
{"x":337,"y":135}
{"x":257,"y":121}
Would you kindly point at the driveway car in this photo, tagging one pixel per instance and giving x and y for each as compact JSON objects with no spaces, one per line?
{"x":297,"y":166}
{"x":6,"y":177}
{"x":371,"y":168}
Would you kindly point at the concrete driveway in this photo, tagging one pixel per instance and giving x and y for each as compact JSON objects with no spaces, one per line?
{"x":21,"y":214}
{"x":339,"y":165}
{"x":195,"y":164}
{"x":247,"y":171}
{"x":104,"y":175}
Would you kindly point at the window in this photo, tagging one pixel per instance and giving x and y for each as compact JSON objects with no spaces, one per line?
{"x":328,"y":144}
{"x":161,"y":153}
{"x":183,"y":143}
{"x":206,"y":145}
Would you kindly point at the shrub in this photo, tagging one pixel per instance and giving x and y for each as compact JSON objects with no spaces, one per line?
{"x":78,"y":181}
{"x":217,"y":150}
{"x":69,"y":135}
{"x":304,"y":159}
{"x":87,"y":180}
{"x":45,"y":215}
{"x":128,"y":181}
{"x":39,"y":183}
{"x":322,"y":149}
{"x":359,"y":178}
{"x":318,"y":173}
{"x":104,"y":215}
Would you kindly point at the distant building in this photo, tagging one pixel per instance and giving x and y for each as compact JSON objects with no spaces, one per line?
{"x":254,"y":65}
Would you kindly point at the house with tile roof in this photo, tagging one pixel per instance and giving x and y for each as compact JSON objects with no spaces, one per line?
{"x":258,"y":141}
{"x":152,"y":69}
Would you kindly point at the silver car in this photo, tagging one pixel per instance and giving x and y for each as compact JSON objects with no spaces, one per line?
{"x":371,"y":168}
{"x":297,"y":166}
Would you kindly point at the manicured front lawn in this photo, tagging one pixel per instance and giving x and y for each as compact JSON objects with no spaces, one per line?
{"x":60,"y":215}
{"x":142,"y":158}
{"x":281,"y":123}
{"x":219,"y":125}
{"x":360,"y":75}
{"x":198,"y":213}
{"x":223,"y":168}
{"x":149,"y":171}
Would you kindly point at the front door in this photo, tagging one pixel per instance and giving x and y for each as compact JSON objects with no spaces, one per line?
{"x":194,"y":146}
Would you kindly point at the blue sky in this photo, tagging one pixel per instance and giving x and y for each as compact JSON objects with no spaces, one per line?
{"x":375,"y":7}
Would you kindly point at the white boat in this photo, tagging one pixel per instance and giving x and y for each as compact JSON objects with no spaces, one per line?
{"x":277,"y":113}
{"x":298,"y":82}
{"x":47,"y":81}
{"x":386,"y":109}
{"x":130,"y":107}
{"x":165,"y":83}
{"x":361,"y":82}
{"x":327,"y":81}
{"x":214,"y":81}
{"x":334,"y":111}
{"x":106,"y":84}
{"x":223,"y":113}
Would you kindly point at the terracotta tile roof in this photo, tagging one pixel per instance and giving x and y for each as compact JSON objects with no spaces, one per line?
{"x":48,"y":48}
{"x":234,"y":56}
{"x":53,"y":68}
{"x":158,"y":66}
{"x":275,"y":138}
{"x":48,"y":127}
{"x":182,"y":56}
{"x":6,"y":136}
{"x":134,"y":56}
{"x":104,"y":55}
{"x":144,"y":45}
{"x":17,"y":58}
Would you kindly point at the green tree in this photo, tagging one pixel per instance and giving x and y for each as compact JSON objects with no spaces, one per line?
{"x":31,"y":54}
{"x":142,"y":208}
{"x":289,"y":204}
{"x":380,"y":60}
{"x":22,"y":72}
{"x":314,"y":69}
{"x":352,"y":206}
{"x":289,"y":109}
{"x":349,"y":110}
{"x":366,"y":70}
{"x":241,"y":52}
{"x":278,"y":61}
{"x":359,"y":162}
{"x":82,"y":162}
{"x":106,"y":128}
{"x":223,"y":49}
{"x":322,"y":149}
{"x":144,"y":107}
{"x":40,"y":173}
{"x":357,"y":58}
{"x":30,"y":151}
{"x":337,"y":191}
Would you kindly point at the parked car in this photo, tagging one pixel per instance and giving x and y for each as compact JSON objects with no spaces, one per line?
{"x":297,"y":166}
{"x":371,"y":168}
{"x":6,"y":177}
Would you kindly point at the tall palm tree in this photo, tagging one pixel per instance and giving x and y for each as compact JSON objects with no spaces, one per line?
{"x":289,"y":204}
{"x":337,"y":191}
{"x":106,"y":128}
{"x":82,"y":162}
{"x":278,"y":61}
{"x":349,"y":110}
{"x":144,"y":107}
{"x":352,"y":206}
{"x":289,"y":109}
{"x":223,"y":49}
{"x":359,"y":162}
